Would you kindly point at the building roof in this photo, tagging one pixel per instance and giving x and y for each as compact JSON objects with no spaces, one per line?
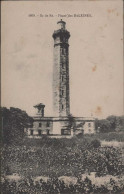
{"x":55,"y":119}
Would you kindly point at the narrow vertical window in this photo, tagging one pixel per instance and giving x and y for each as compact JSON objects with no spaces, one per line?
{"x":39,"y":132}
{"x":40,"y":124}
{"x":62,"y":106}
{"x":48,"y":124}
{"x":63,"y":51}
{"x":62,"y":92}
{"x":31,"y":132}
{"x":48,"y":132}
{"x":62,"y":78}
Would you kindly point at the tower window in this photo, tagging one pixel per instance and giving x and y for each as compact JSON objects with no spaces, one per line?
{"x":62,"y":106}
{"x":40,"y":124}
{"x":63,"y":51}
{"x":62,"y":92}
{"x":62,"y":78}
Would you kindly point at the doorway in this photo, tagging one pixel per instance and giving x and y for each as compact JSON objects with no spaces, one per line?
{"x":39,"y":132}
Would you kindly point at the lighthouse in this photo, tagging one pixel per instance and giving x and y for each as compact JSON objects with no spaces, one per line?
{"x":61,"y":96}
{"x":59,"y":123}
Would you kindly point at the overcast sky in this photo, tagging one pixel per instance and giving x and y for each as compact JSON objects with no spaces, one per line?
{"x":95,"y":55}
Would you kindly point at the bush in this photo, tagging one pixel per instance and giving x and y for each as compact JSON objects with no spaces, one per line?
{"x":95,"y":143}
{"x":54,"y":186}
{"x":80,"y":135}
{"x":61,"y":157}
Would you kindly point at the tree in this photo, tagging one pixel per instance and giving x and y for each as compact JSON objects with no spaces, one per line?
{"x":102,"y":125}
{"x":14,"y":121}
{"x":73,"y":126}
{"x":112,"y":120}
{"x":110,"y":124}
{"x":71,"y":123}
{"x":119,"y":123}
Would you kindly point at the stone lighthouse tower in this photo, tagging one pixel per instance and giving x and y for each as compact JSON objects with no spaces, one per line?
{"x":61,"y":98}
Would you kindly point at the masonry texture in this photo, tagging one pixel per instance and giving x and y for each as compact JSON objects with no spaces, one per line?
{"x":61,"y":97}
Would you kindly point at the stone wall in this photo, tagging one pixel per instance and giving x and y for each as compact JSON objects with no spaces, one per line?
{"x":56,"y":80}
{"x":61,"y":99}
{"x":64,"y":81}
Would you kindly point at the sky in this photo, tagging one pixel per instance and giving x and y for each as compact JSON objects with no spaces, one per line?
{"x":95,"y":55}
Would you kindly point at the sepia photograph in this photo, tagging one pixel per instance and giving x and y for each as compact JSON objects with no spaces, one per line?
{"x":62,"y":103}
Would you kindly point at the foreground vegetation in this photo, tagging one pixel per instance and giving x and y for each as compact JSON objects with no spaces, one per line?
{"x":56,"y":186}
{"x":53,"y":158}
{"x":58,"y":157}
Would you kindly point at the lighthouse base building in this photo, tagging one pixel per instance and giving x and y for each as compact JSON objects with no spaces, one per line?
{"x":59,"y":126}
{"x":62,"y":123}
